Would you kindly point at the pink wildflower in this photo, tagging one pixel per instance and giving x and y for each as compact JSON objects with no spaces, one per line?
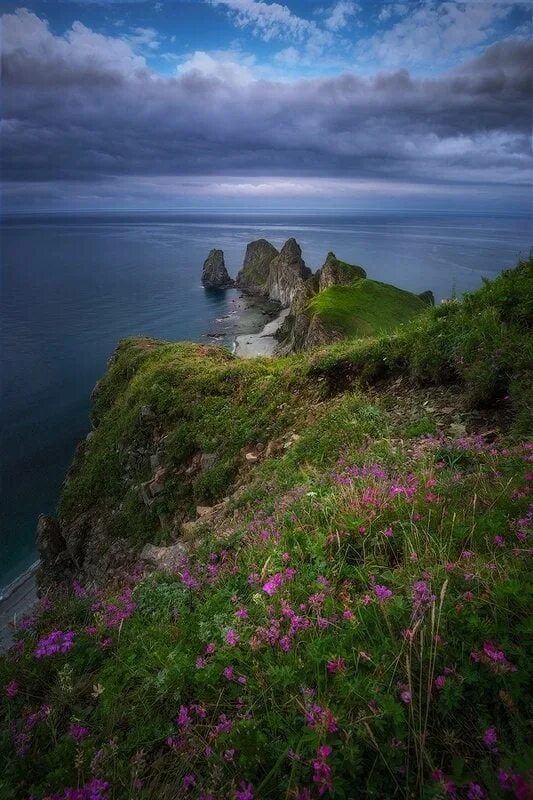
{"x":55,"y":642}
{"x":405,"y":695}
{"x":440,"y":681}
{"x":347,"y":614}
{"x":336,"y":665}
{"x":388,"y":533}
{"x":183,"y":719}
{"x":322,"y":770}
{"x":11,"y":689}
{"x":232,"y":637}
{"x":499,"y":541}
{"x":475,"y":792}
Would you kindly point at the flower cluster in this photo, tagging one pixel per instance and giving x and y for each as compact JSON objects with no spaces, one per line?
{"x":55,"y":642}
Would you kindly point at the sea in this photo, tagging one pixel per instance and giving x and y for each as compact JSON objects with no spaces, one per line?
{"x":73,"y":285}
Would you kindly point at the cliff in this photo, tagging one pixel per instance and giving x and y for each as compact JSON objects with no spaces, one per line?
{"x":287,"y":274}
{"x":274,"y":577}
{"x":255,"y":272}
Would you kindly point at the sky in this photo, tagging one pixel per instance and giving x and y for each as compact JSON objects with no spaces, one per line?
{"x":252,"y":104}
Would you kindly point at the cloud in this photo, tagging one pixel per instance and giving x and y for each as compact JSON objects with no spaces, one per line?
{"x":85,"y":108}
{"x":271,"y":21}
{"x":432,"y":31}
{"x":339,"y":15}
{"x":225,"y":65}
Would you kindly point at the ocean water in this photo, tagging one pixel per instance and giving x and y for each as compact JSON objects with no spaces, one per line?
{"x":73,"y":285}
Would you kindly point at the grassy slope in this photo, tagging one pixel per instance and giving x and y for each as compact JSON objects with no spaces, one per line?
{"x":365,"y":308}
{"x":364,"y":467}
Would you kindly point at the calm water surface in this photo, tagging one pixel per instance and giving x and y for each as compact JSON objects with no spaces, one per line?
{"x":72,"y":286}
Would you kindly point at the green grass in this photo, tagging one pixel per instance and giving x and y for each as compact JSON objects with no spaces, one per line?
{"x":362,"y":465}
{"x":365,"y":308}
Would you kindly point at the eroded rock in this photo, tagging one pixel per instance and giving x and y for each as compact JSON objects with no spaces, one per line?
{"x":214,"y":273}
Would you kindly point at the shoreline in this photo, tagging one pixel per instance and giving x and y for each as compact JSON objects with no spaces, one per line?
{"x":263,"y":343}
{"x":17,"y":600}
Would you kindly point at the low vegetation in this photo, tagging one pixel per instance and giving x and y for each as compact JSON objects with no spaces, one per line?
{"x":358,"y":621}
{"x":365,"y":307}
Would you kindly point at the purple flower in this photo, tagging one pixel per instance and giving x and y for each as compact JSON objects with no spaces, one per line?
{"x":183,"y":719}
{"x":422,"y":598}
{"x":336,"y":665}
{"x":440,"y":681}
{"x":273,"y":584}
{"x":55,"y":642}
{"x":11,"y":689}
{"x":382,"y":593}
{"x":78,"y":732}
{"x":490,"y":738}
{"x":189,"y":781}
{"x":475,"y":792}
{"x":232,"y":637}
{"x":245,"y":791}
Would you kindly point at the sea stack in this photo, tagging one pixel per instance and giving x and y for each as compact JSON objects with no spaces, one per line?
{"x":255,"y":272}
{"x":214,"y":273}
{"x":288,"y":273}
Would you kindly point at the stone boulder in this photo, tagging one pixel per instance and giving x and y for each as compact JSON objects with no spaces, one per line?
{"x":164,"y":559}
{"x":288,"y":273}
{"x":335,"y":273}
{"x":214,"y":273}
{"x":255,"y":272}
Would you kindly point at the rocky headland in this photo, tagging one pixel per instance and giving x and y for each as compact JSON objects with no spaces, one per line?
{"x":264,"y":572}
{"x":283,"y":277}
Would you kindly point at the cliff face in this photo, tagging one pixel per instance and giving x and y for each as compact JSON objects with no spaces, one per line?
{"x":287,"y":274}
{"x":214,"y":273}
{"x":302,"y":328}
{"x":255,"y":272}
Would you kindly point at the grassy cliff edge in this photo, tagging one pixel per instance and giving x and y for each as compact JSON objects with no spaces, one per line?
{"x":348,"y":615}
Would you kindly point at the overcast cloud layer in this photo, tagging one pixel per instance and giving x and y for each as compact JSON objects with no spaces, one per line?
{"x":85,"y":109}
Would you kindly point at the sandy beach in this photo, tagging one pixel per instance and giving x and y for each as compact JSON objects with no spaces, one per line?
{"x":252,"y":345}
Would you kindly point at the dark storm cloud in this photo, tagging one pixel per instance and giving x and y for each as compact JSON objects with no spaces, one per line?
{"x":85,"y":107}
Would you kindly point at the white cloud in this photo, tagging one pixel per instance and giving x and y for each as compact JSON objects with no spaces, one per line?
{"x":433,"y":31}
{"x":272,"y":21}
{"x":339,"y":15}
{"x":226,"y":65}
{"x":80,"y":47}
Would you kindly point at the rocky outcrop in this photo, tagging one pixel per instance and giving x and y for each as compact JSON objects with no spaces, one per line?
{"x":214,"y":273}
{"x":335,"y":272}
{"x":302,"y":329}
{"x":427,"y":297}
{"x":288,"y":273}
{"x":255,"y":272}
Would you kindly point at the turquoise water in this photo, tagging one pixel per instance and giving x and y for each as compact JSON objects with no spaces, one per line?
{"x":73,"y":285}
